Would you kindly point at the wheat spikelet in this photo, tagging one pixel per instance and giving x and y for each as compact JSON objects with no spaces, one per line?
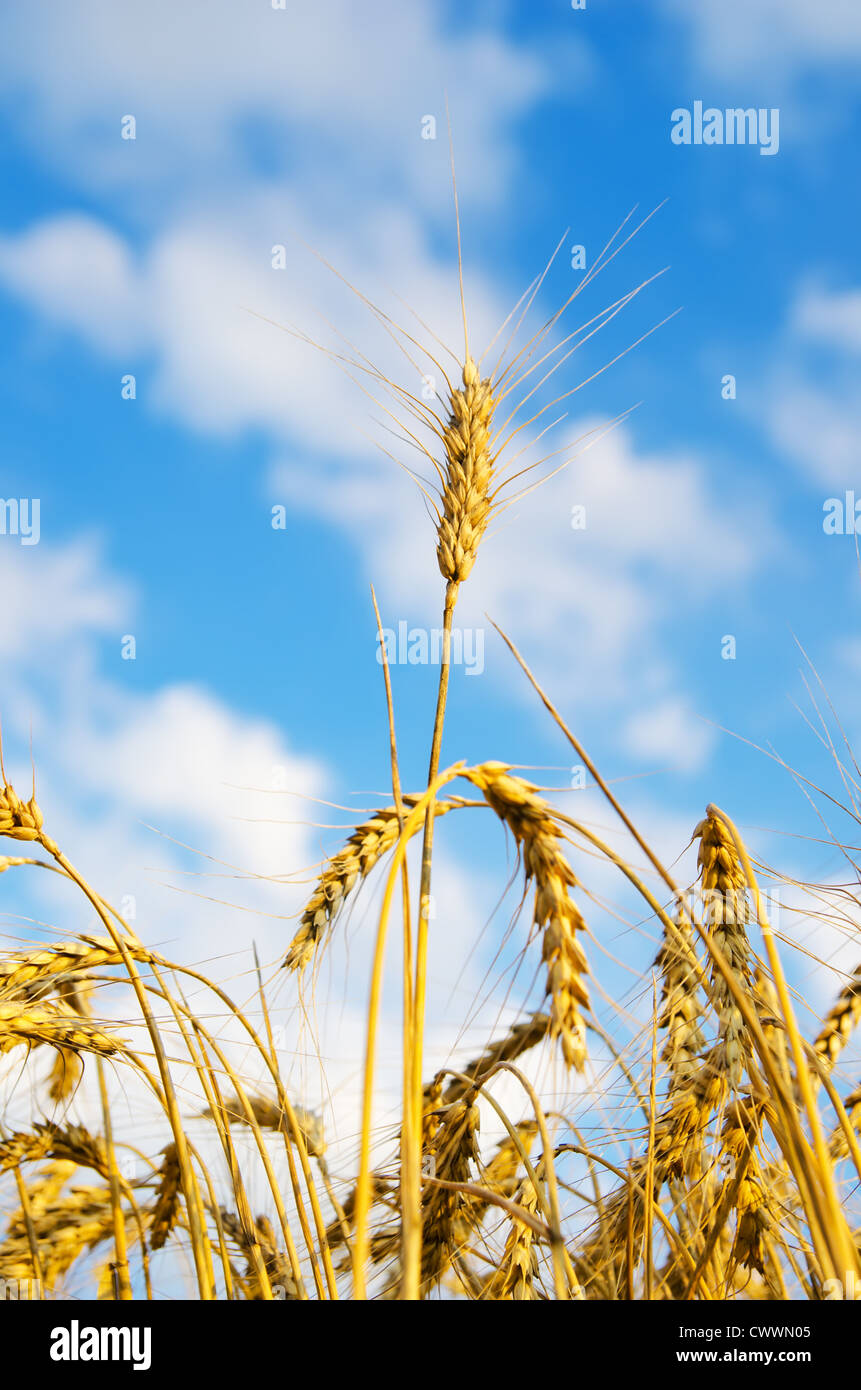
{"x":33,"y":974}
{"x":277,"y":1266}
{"x":681,"y":1004}
{"x":678,"y":1135}
{"x":68,"y":1143}
{"x":499,"y":1177}
{"x":387,"y":1242}
{"x":453,"y":1148}
{"x":466,"y":501}
{"x":530,"y":820}
{"x":725,"y":913}
{"x":75,"y":1143}
{"x":680,"y":1128}
{"x":49,"y":1182}
{"x":364,"y":848}
{"x":270,"y":1115}
{"x":65,"y":1228}
{"x":515,"y":1278}
{"x":20,"y":820}
{"x":431,"y":1102}
{"x":740,"y":1138}
{"x":513,"y":1044}
{"x":381,"y":1188}
{"x":66,"y":1071}
{"x":24,"y":1145}
{"x":840,"y":1021}
{"x":56,"y":1024}
{"x":166,"y":1207}
{"x":838,"y":1143}
{"x":500,"y":1174}
{"x":701,"y":1086}
{"x":67,"y":1067}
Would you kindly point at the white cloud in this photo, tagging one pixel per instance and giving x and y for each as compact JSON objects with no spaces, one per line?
{"x":817,"y":426}
{"x":210,"y":82}
{"x":669,"y":734}
{"x":832,"y":317}
{"x":74,"y":270}
{"x":772,"y":38}
{"x":809,"y":407}
{"x":60,"y":593}
{"x":219,"y":368}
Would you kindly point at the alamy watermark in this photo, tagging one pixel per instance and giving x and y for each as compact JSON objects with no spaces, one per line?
{"x":21,"y":1290}
{"x":849,"y":1288}
{"x":21,"y":517}
{"x":842,"y":515}
{"x":734,"y":126}
{"x":77,"y":1343}
{"x":421,"y":646}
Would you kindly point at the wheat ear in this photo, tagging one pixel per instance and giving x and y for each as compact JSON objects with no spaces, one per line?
{"x":840,"y":1021}
{"x":465,"y":494}
{"x":32,"y":974}
{"x":681,"y":1011}
{"x":515,"y":1278}
{"x":364,"y":848}
{"x":725,"y":914}
{"x":519,"y":1039}
{"x":530,"y":819}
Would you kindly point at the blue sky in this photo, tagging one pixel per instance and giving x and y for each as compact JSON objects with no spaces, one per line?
{"x":255,"y":648}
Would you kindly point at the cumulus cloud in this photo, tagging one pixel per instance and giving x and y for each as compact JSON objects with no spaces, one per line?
{"x":809,"y":401}
{"x":739,"y":37}
{"x":76,"y":271}
{"x":669,"y":734}
{"x":817,"y":426}
{"x":216,"y":87}
{"x":60,"y":593}
{"x":832,"y":317}
{"x":194,"y":299}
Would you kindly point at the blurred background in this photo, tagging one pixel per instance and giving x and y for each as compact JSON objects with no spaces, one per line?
{"x":195,"y":680}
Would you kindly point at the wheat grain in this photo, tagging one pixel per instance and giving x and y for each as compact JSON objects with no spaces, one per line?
{"x":840,"y":1021}
{"x":364,"y":848}
{"x":725,"y":913}
{"x":166,"y":1207}
{"x":20,"y":820}
{"x":69,"y":1143}
{"x":530,"y":820}
{"x":277,"y":1266}
{"x":681,"y":1012}
{"x":24,"y":1145}
{"x":740,"y":1138}
{"x":32,"y":974}
{"x":65,"y":1228}
{"x":270,"y":1115}
{"x":453,"y":1148}
{"x":519,"y":1039}
{"x":515,"y":1278}
{"x":469,"y":464}
{"x":54,"y":1024}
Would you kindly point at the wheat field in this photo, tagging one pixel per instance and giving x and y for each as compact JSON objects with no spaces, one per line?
{"x":709,"y":1152}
